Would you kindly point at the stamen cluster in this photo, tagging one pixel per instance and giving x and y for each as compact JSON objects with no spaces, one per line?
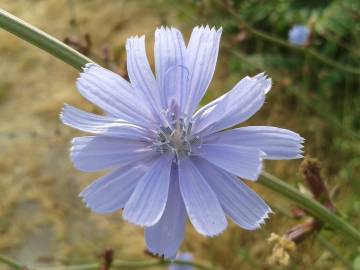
{"x":176,"y":137}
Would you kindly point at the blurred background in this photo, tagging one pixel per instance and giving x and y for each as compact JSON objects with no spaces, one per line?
{"x":316,"y":92}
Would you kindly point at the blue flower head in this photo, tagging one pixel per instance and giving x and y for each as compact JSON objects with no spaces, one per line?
{"x":169,"y":162}
{"x":299,"y":35}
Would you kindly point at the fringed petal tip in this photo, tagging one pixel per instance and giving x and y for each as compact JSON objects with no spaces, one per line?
{"x":139,"y":224}
{"x":162,"y":254}
{"x":61,"y":114}
{"x":67,"y":113}
{"x":136,"y":37}
{"x":296,"y":136}
{"x":90,"y":67}
{"x":264,"y":80}
{"x":84,"y":200}
{"x":95,"y":209}
{"x":212,"y":235}
{"x":87,"y":66}
{"x":208,"y":28}
{"x":166,"y":28}
{"x":86,"y":69}
{"x":301,"y":142}
{"x":210,"y":32}
{"x":263,"y":219}
{"x":87,"y":198}
{"x":83,"y":196}
{"x":84,"y":193}
{"x":257,"y":172}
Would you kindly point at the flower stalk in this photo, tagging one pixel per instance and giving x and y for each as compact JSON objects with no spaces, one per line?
{"x":312,"y":206}
{"x":40,"y":39}
{"x":115,"y":265}
{"x":10,"y":262}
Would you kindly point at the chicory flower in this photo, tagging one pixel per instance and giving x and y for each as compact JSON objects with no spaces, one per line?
{"x":299,"y":35}
{"x":169,"y":162}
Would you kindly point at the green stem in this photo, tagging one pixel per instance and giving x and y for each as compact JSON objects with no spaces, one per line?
{"x":127,"y":265}
{"x":312,"y":206}
{"x":10,"y":262}
{"x":42,"y":40}
{"x":115,"y":265}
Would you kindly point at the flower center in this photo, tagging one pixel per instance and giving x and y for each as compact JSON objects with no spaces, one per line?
{"x":176,"y":138}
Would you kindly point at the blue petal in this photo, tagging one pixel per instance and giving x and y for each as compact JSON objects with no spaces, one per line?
{"x":170,"y":65}
{"x":147,"y":203}
{"x":104,"y":125}
{"x":113,"y":94}
{"x":202,"y":52}
{"x":239,"y":202}
{"x":200,"y":201}
{"x":111,"y":192}
{"x":182,"y":256}
{"x":175,"y":89}
{"x":165,"y":237}
{"x":244,"y":162}
{"x":299,"y":35}
{"x":276,"y":143}
{"x":90,"y":153}
{"x":140,"y":73}
{"x":234,"y":107}
{"x":265,"y":82}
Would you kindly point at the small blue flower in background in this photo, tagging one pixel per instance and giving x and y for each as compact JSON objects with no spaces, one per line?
{"x":169,"y":162}
{"x":299,"y":35}
{"x":183,"y":256}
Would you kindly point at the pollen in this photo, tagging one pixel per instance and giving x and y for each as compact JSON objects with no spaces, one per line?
{"x":176,"y":137}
